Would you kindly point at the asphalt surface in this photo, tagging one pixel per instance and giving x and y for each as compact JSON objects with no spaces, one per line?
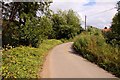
{"x":61,"y":62}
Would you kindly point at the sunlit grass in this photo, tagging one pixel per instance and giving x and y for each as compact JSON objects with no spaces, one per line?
{"x":25,"y":62}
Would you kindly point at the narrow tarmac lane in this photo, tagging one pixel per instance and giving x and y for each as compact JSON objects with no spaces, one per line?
{"x":62,"y":63}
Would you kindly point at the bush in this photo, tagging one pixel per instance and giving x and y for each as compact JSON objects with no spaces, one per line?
{"x":25,"y":62}
{"x":34,"y":31}
{"x":94,"y":48}
{"x":112,"y":38}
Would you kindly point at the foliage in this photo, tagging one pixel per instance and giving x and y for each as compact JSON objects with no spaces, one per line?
{"x":35,"y":30}
{"x":13,"y":9}
{"x":25,"y":62}
{"x":113,"y":37}
{"x":20,"y":20}
{"x":66,"y":24}
{"x":30,"y":34}
{"x":30,"y":30}
{"x":116,"y":23}
{"x":12,"y":35}
{"x":92,"y":45}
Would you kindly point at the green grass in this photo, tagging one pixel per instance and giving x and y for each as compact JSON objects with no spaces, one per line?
{"x":92,"y":46}
{"x":25,"y":62}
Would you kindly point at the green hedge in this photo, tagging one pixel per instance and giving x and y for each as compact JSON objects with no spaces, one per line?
{"x":25,"y":62}
{"x":92,"y":46}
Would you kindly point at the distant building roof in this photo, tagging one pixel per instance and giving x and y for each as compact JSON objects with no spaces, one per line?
{"x":106,"y":29}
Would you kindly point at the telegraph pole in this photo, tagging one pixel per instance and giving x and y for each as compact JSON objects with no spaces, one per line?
{"x":85,"y":22}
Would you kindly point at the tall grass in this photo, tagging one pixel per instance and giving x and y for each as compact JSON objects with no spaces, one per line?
{"x":92,"y":45}
{"x":25,"y":62}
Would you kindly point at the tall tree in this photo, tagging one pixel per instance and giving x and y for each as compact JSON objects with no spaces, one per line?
{"x":12,"y":11}
{"x":22,"y":14}
{"x":116,"y":23}
{"x":114,"y":36}
{"x":66,"y":24}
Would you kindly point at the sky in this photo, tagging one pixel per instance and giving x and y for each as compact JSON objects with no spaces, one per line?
{"x":99,"y":12}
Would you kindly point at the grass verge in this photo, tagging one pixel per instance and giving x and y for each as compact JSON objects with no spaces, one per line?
{"x":25,"y":62}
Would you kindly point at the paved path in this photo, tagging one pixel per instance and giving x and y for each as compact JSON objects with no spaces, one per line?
{"x":62,"y":63}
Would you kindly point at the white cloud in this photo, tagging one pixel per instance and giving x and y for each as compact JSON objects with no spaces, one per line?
{"x":100,"y":15}
{"x":93,"y":18}
{"x":66,"y":5}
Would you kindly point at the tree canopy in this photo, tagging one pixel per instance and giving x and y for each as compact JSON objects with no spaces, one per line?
{"x":29,"y":23}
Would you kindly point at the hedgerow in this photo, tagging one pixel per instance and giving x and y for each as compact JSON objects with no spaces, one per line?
{"x":92,"y":46}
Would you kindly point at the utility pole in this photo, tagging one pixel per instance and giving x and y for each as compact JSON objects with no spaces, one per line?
{"x":85,"y":22}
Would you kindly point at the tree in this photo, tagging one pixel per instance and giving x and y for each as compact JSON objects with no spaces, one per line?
{"x":12,"y":11}
{"x":57,"y":21}
{"x":20,"y":21}
{"x":74,"y":20}
{"x":35,"y":30}
{"x":116,"y":24}
{"x":113,"y":37}
{"x":66,"y":24}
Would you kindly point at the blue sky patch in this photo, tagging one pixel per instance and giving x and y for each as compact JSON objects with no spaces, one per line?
{"x":90,"y":3}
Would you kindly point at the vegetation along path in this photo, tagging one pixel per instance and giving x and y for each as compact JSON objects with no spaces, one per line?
{"x":63,"y":63}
